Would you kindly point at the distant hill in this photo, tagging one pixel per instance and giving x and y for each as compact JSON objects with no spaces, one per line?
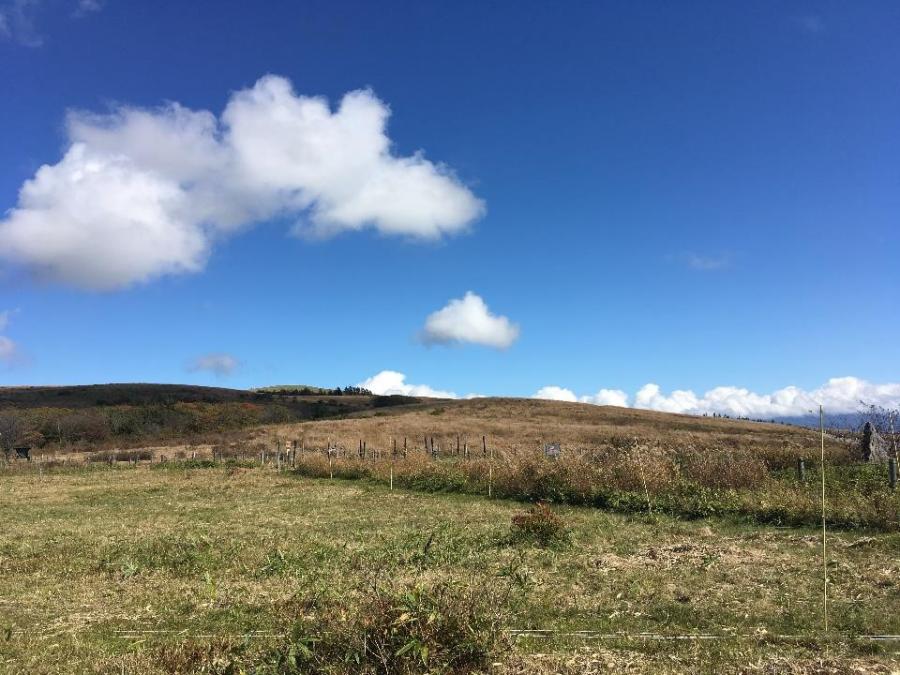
{"x":309,"y":390}
{"x":298,"y":389}
{"x":91,"y":395}
{"x":115,"y":414}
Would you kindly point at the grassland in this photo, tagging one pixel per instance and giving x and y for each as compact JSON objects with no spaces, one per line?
{"x":186,"y":568}
{"x":613,"y":458}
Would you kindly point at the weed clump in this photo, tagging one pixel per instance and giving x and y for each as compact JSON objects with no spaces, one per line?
{"x":539,"y":525}
{"x":441,"y":627}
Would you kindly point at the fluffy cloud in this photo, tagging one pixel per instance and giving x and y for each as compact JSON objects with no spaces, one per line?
{"x":615,"y":397}
{"x":602,"y":397}
{"x":145,"y":193}
{"x":554,"y":393}
{"x":468,"y":319}
{"x":220,"y":365}
{"x":838,"y":395}
{"x":390,"y":382}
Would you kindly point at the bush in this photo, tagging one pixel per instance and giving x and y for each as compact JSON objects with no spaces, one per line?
{"x":439,"y":627}
{"x":540,"y":525}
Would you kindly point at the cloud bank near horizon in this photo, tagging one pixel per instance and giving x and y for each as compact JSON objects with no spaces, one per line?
{"x":144,"y":193}
{"x":393,"y":383}
{"x":838,"y":395}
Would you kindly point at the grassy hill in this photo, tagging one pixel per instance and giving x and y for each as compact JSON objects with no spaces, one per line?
{"x":696,"y":531}
{"x":135,"y":393}
{"x":514,"y":424}
{"x":103,"y":415}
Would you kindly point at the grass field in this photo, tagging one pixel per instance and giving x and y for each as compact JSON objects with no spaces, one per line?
{"x":228,"y":569}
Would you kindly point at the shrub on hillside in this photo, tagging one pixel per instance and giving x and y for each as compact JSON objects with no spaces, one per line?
{"x":539,"y":525}
{"x":439,"y":627}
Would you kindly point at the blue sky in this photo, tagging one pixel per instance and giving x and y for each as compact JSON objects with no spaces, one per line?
{"x":694,"y":195}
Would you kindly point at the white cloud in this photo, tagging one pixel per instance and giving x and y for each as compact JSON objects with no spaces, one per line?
{"x":390,"y":382}
{"x":602,"y":397}
{"x":220,"y":365}
{"x":468,"y":319}
{"x":554,"y":393}
{"x":145,"y":193}
{"x":17,"y":22}
{"x":706,"y":263}
{"x":88,"y":6}
{"x":838,"y":395}
{"x":615,"y":397}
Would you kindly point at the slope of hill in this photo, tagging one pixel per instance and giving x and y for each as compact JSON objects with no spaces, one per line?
{"x":95,"y":416}
{"x":89,"y":395}
{"x":526,"y":424}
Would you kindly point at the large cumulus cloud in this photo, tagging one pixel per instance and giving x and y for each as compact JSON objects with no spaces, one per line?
{"x":142,"y":193}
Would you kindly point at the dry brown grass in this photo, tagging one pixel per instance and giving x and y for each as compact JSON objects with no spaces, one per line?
{"x":521,"y":426}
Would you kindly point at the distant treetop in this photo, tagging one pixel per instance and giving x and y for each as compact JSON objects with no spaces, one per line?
{"x":308,"y":390}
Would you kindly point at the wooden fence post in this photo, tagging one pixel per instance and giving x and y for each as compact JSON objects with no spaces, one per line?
{"x":491,"y":474}
{"x":892,"y":473}
{"x":801,"y":470}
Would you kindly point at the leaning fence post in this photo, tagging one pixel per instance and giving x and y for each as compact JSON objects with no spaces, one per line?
{"x":892,"y":472}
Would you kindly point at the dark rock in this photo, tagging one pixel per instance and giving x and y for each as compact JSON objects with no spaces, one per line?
{"x":873,"y":447}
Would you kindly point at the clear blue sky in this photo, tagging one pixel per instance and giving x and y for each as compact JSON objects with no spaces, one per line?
{"x":690,"y":194}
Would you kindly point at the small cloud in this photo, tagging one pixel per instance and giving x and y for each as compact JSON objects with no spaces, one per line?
{"x":468,"y":319}
{"x":391,"y":383}
{"x":17,"y":22}
{"x":87,"y":7}
{"x":811,"y":23}
{"x":705,"y":263}
{"x":220,"y":365}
